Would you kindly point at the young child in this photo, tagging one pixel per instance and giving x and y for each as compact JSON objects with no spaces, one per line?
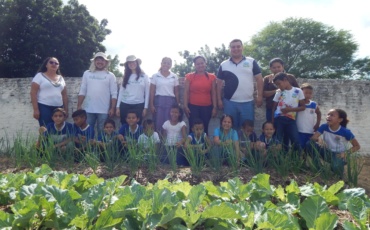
{"x":226,"y":136}
{"x":198,"y":139}
{"x":267,"y":141}
{"x":107,"y":143}
{"x":59,"y":132}
{"x":150,"y":138}
{"x":82,"y":130}
{"x":247,"y":137}
{"x":129,"y":133}
{"x":337,"y":139}
{"x":174,"y":132}
{"x":308,"y":120}
{"x":288,"y":100}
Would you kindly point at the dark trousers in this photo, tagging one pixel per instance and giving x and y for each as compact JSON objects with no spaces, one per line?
{"x":203,"y":113}
{"x":137,"y":108}
{"x":287,"y":128}
{"x":46,"y":112}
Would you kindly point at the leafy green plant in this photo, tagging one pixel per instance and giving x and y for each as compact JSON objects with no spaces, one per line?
{"x":354,"y":168}
{"x":134,"y":157}
{"x":196,"y":159}
{"x":171,"y":152}
{"x":280,"y":161}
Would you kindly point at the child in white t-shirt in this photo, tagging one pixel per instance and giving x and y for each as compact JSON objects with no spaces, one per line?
{"x":288,"y":101}
{"x":308,"y":120}
{"x":174,"y":133}
{"x":149,"y":138}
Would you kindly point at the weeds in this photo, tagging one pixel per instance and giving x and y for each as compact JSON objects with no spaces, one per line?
{"x":171,"y":152}
{"x":354,"y":167}
{"x":134,"y":157}
{"x":196,"y":159}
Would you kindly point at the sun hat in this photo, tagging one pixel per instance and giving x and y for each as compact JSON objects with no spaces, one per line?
{"x":131,"y":58}
{"x":100,"y":54}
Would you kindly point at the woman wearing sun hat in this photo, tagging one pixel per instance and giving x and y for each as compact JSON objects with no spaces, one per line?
{"x":48,"y":91}
{"x":134,"y":92}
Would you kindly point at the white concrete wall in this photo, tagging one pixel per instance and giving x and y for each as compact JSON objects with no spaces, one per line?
{"x":352,"y":96}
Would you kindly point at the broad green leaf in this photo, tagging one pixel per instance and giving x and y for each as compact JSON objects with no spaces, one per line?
{"x":326,"y":221}
{"x":293,"y":188}
{"x":43,"y":170}
{"x":359,"y":211}
{"x":29,"y":191}
{"x":329,"y":197}
{"x":119,"y":208}
{"x":195,"y":197}
{"x":24,"y":212}
{"x":307,"y":190}
{"x":6,"y":220}
{"x":224,"y":210}
{"x":106,"y":221}
{"x":276,"y":219}
{"x":183,"y":187}
{"x":215,"y":191}
{"x":347,"y":194}
{"x":144,"y":208}
{"x":262,"y":182}
{"x":280,"y":193}
{"x":312,"y":208}
{"x":336,"y":187}
{"x":80,"y":221}
{"x":349,"y":226}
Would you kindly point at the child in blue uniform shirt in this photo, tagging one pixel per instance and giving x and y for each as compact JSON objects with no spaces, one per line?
{"x":267,"y":142}
{"x":198,"y":139}
{"x":83,"y":131}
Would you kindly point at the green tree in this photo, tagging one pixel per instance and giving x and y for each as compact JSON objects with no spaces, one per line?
{"x":114,"y":66}
{"x":213,"y":60}
{"x":31,"y":30}
{"x":309,"y":49}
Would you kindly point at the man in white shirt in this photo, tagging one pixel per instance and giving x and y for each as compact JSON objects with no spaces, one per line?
{"x":98,"y":92}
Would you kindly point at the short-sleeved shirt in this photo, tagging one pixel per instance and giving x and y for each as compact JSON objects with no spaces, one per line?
{"x":244,"y":140}
{"x":288,"y":99}
{"x":269,"y":86}
{"x":238,"y":78}
{"x":306,"y":119}
{"x":128,"y":135}
{"x":147,"y":141}
{"x":200,"y":88}
{"x":336,"y":140}
{"x":173,"y":132}
{"x":49,"y":93}
{"x":98,"y":87}
{"x":164,"y":86}
{"x":200,"y":142}
{"x":60,"y":135}
{"x":269,"y":142}
{"x":87,"y":132}
{"x":231,"y":135}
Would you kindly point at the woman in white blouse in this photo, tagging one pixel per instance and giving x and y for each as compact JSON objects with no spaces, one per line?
{"x":134,"y":91}
{"x":48,"y":91}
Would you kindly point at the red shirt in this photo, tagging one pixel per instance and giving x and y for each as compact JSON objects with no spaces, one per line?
{"x":200,"y":88}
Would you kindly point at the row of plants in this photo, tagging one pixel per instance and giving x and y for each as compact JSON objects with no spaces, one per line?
{"x":26,"y":154}
{"x":47,"y":199}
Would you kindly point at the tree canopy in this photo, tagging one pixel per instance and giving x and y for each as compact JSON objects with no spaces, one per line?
{"x":310,"y":49}
{"x":213,"y":60}
{"x":32,"y":30}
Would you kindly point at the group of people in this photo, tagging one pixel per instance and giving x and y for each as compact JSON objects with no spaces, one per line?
{"x":292,"y":118}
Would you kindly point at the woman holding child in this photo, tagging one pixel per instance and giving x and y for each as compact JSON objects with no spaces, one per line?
{"x":269,"y":88}
{"x":48,"y":91}
{"x":134,"y":91}
{"x":200,"y":99}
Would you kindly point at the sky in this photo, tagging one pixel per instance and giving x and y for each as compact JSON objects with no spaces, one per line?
{"x":153,"y":29}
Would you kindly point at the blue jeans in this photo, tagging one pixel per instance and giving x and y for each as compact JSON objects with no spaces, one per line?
{"x":286,"y":127}
{"x":98,"y":118}
{"x":316,"y":151}
{"x":46,"y":113}
{"x":303,"y":138}
{"x":240,"y":111}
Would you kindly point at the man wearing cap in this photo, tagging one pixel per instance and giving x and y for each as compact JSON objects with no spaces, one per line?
{"x":238,"y":73}
{"x":98,"y":92}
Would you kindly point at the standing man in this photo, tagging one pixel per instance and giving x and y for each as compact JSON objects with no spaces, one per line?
{"x":98,"y":91}
{"x":238,"y":73}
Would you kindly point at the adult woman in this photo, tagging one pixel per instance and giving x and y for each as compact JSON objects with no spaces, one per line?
{"x":200,"y":94}
{"x":48,"y":91}
{"x":164,"y":92}
{"x":269,"y":88}
{"x":134,"y":91}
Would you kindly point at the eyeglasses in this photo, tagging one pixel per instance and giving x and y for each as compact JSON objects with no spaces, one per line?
{"x":53,"y":63}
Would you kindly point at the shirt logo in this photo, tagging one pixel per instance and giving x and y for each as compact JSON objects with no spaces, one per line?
{"x":246,"y":64}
